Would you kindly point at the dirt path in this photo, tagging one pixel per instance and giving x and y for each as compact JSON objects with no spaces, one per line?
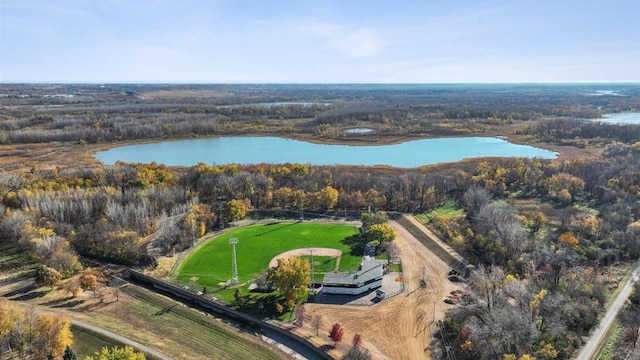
{"x":399,"y":327}
{"x":305,"y":251}
{"x":122,"y":339}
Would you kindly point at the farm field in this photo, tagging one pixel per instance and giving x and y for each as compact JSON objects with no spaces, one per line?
{"x":258,"y":244}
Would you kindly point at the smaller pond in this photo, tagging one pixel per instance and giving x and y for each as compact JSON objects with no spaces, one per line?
{"x":625,"y":118}
{"x":604,"y":93}
{"x":273,"y":104}
{"x":359,"y":131}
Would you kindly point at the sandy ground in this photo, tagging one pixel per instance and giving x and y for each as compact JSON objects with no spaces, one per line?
{"x":304,"y":251}
{"x":399,"y":327}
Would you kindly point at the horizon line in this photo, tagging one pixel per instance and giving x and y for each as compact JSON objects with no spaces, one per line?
{"x":630,"y":82}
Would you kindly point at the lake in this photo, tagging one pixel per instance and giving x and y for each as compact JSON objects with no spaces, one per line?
{"x":359,"y":131}
{"x":625,"y":118}
{"x":255,"y":150}
{"x":274,"y":104}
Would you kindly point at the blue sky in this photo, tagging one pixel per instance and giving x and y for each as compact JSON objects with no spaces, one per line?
{"x":298,"y":41}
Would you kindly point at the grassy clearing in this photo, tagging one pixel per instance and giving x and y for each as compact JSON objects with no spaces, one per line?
{"x":258,"y":244}
{"x":87,"y":343}
{"x":607,"y":348}
{"x":446,"y":211}
{"x":15,"y":261}
{"x":178,"y":331}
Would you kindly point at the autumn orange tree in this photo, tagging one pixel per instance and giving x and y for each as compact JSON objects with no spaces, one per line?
{"x":569,"y":240}
{"x":88,"y":281}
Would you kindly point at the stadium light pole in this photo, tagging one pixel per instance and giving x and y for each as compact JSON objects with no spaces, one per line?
{"x":234,"y":265}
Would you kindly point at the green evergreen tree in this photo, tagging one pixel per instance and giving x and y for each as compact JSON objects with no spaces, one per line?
{"x":69,"y":354}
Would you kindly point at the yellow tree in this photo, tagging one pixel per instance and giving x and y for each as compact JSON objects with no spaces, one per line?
{"x":568,"y":239}
{"x":7,"y":313}
{"x":328,"y":198}
{"x":237,"y":209}
{"x":291,"y":276}
{"x":380,"y":233}
{"x":117,"y":353}
{"x":198,"y":217}
{"x":52,"y":336}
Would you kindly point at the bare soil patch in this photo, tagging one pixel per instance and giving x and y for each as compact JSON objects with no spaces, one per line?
{"x":399,"y":327}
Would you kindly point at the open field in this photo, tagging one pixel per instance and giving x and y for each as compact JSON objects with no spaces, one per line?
{"x":150,"y":319}
{"x":258,"y":244}
{"x":87,"y":343}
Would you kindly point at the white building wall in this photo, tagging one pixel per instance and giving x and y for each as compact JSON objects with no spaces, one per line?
{"x":351,"y":291}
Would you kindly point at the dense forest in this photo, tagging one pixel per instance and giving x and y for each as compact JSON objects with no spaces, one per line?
{"x":97,"y":114}
{"x":538,"y":232}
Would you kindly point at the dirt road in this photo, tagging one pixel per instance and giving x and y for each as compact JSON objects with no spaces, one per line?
{"x":588,"y":351}
{"x":399,"y":327}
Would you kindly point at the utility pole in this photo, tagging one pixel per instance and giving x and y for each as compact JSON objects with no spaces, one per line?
{"x":311,"y":251}
{"x":234,"y":264}
{"x":434,"y":311}
{"x":193,"y":231}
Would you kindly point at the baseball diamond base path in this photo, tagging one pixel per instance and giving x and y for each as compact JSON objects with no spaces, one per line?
{"x":399,"y":327}
{"x":305,"y":251}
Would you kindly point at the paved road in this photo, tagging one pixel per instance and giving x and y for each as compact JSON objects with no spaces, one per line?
{"x":121,"y":339}
{"x":590,"y":347}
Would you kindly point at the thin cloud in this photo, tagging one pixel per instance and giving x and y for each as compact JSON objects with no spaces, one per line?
{"x":352,"y":42}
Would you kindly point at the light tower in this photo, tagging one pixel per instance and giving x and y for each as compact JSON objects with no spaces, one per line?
{"x":234,"y":264}
{"x":311,"y":251}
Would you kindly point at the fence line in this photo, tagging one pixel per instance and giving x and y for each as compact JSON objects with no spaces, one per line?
{"x":180,"y":294}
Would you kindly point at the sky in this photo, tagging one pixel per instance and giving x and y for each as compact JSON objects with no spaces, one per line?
{"x":324,"y":41}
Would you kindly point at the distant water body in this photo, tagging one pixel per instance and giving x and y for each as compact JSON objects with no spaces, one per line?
{"x":255,"y":150}
{"x":622,"y":118}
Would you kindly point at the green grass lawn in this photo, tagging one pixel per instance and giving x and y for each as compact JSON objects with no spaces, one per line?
{"x":15,"y":261}
{"x":258,"y":244}
{"x":448,"y":210}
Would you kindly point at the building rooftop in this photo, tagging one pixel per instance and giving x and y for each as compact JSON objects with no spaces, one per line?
{"x":369,"y":270}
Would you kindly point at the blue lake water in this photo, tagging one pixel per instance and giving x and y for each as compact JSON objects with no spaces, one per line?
{"x":255,"y":150}
{"x":622,"y":118}
{"x":274,"y":104}
{"x":359,"y":131}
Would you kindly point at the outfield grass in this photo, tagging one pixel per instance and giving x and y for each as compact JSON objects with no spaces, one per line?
{"x":258,"y":244}
{"x":323,"y":264}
